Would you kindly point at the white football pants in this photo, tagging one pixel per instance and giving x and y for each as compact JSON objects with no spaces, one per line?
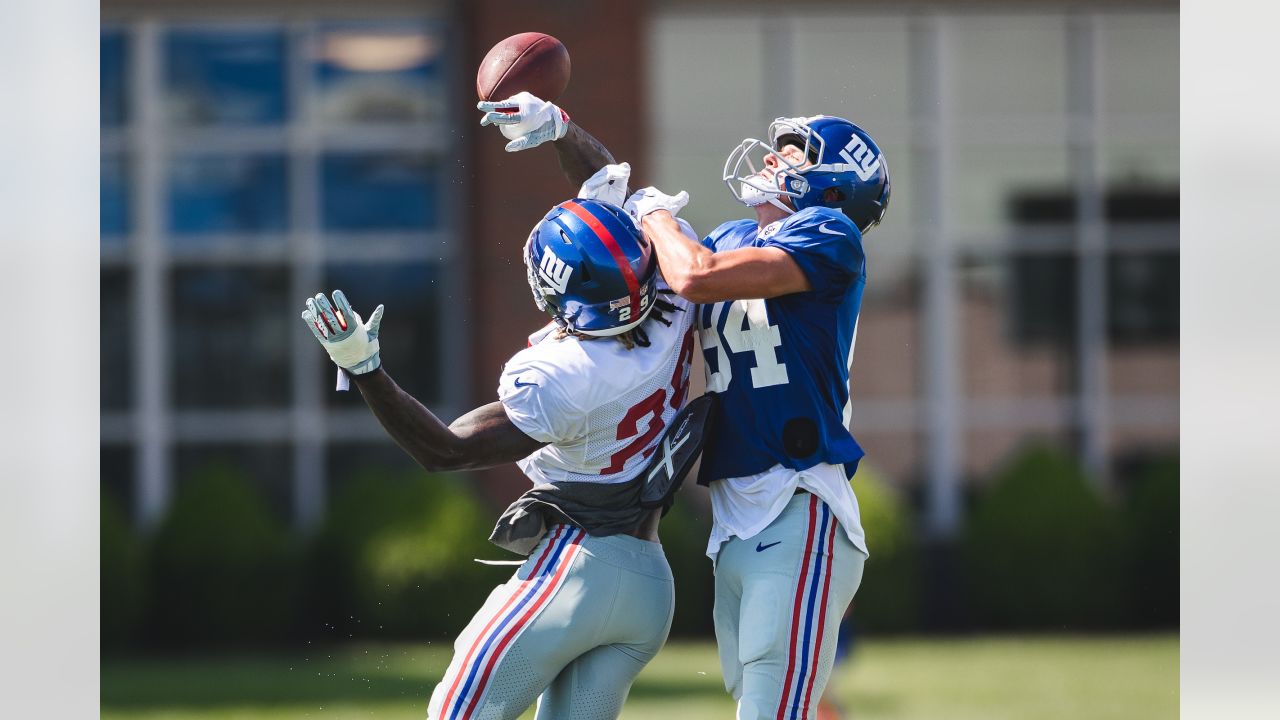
{"x":779,"y":599}
{"x":571,"y":629}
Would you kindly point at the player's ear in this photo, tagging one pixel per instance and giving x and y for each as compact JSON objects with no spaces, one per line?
{"x":831,"y":195}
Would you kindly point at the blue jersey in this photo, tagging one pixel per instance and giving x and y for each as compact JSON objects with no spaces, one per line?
{"x":782,"y":365}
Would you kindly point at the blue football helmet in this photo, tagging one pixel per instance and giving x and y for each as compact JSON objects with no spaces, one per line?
{"x":842,"y":156}
{"x":591,"y":268}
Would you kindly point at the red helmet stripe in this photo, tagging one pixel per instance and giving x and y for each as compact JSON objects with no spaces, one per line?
{"x":606,"y":237}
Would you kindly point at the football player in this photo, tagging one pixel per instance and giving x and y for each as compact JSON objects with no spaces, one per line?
{"x":580,"y":411}
{"x":780,"y":296}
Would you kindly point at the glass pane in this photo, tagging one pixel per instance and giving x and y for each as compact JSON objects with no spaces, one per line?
{"x":267,"y":468}
{"x":1139,"y":55}
{"x":113,"y":59}
{"x":1142,"y":298}
{"x":379,"y":73}
{"x":234,"y":77}
{"x":727,"y":47}
{"x":1010,"y":65}
{"x":115,"y":218}
{"x":115,"y":471}
{"x":224,"y":355}
{"x":1017,"y":321}
{"x":1141,"y":163}
{"x":227,"y":194}
{"x":411,"y":333}
{"x":116,"y":342}
{"x":696,"y":168}
{"x":866,"y":82}
{"x":985,"y":184}
{"x":379,"y":191}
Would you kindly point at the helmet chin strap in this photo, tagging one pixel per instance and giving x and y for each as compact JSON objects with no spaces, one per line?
{"x":776,"y":202}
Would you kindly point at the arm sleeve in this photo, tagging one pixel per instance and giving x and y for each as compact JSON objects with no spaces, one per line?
{"x":537,"y":403}
{"x":712,"y":241}
{"x":828,"y":249}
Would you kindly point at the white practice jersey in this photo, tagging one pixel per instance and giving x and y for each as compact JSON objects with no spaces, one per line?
{"x":603,"y":408}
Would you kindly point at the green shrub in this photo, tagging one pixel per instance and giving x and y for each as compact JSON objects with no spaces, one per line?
{"x":224,"y":570}
{"x":889,"y":598}
{"x":396,"y":556}
{"x":1041,"y":550}
{"x":684,"y":532}
{"x":123,"y":578}
{"x":1151,"y":523}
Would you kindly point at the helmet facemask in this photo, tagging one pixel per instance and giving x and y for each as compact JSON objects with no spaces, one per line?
{"x":750,"y":188}
{"x":541,"y":291}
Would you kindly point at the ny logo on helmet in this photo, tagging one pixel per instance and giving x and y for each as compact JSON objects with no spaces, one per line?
{"x":554,"y":271}
{"x":860,"y":158}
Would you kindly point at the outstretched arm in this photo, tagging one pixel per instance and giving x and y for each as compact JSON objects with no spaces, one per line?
{"x":581,"y":154}
{"x":528,"y":121}
{"x":484,"y":437}
{"x":701,"y":276}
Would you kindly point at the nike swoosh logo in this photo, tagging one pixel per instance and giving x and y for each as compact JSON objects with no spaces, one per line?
{"x":762,"y":548}
{"x":823,"y":229}
{"x":520,"y":384}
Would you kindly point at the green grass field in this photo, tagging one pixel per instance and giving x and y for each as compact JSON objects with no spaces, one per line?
{"x":1013,"y":678}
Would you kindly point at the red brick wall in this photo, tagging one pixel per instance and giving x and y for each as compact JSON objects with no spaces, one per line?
{"x":509,"y":192}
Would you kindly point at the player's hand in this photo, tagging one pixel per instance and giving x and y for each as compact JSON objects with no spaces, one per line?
{"x":350,"y":342}
{"x":609,"y":184}
{"x":651,"y":199}
{"x":524,"y":119}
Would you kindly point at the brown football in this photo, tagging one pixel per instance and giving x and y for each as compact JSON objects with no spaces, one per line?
{"x":529,"y":62}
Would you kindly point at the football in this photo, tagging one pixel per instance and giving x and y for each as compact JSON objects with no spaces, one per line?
{"x":528,"y":62}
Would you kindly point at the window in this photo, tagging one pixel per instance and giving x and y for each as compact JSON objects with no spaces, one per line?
{"x":379,"y":191}
{"x":114,"y":365}
{"x":1009,"y":66}
{"x":227,"y":194}
{"x":231,"y":77}
{"x":1142,"y":284}
{"x":411,"y":325}
{"x":968,"y":340}
{"x":115,"y":473}
{"x":378,"y":73}
{"x":230,"y":337}
{"x":242,"y":214}
{"x":113,"y":68}
{"x":115,"y":218}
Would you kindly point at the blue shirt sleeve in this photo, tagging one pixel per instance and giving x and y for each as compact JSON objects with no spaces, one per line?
{"x":713,"y":241}
{"x":826,"y":245}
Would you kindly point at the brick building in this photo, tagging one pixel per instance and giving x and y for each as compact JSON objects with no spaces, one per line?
{"x":1023,"y":286}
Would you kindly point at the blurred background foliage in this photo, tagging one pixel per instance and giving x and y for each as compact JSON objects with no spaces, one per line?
{"x":396,"y":553}
{"x":224,"y":569}
{"x":889,"y":598}
{"x":1042,"y":549}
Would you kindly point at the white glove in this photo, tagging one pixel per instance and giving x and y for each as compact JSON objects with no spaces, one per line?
{"x":649,"y":199}
{"x":524,"y":119}
{"x":609,"y":184}
{"x":350,"y":342}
